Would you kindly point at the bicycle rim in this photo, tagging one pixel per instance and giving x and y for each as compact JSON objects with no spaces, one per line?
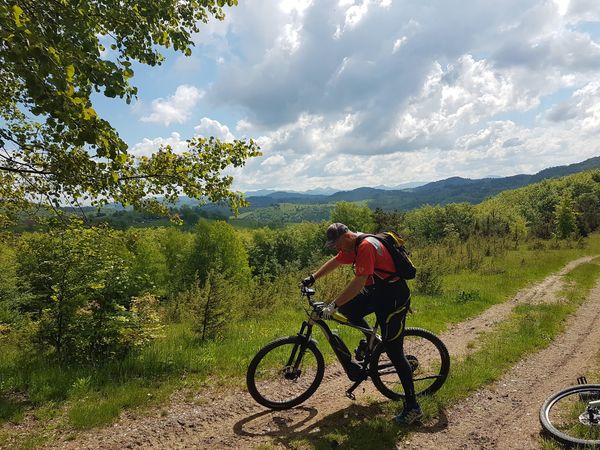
{"x":569,"y":419}
{"x":429,"y":360}
{"x":285,"y":373}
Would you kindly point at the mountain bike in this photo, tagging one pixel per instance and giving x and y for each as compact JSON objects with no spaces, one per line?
{"x":572,"y":416}
{"x":288,"y":370}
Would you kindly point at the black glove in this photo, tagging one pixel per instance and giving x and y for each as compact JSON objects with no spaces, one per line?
{"x":308,"y":281}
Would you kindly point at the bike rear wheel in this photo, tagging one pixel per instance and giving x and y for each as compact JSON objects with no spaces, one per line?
{"x":285,"y":372}
{"x":568,"y":417}
{"x":429,"y":360}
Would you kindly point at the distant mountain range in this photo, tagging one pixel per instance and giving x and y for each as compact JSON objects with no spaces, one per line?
{"x":323,"y":191}
{"x":271,"y":207}
{"x":450,"y":190}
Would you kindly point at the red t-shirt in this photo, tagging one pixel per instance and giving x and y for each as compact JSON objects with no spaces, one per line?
{"x":371,"y":254}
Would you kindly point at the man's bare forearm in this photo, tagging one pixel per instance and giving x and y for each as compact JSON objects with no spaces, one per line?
{"x":351,"y":291}
{"x":329,"y":266}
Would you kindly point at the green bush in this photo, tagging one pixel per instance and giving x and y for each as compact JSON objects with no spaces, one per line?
{"x":467,"y":296}
{"x":81,"y":293}
{"x":428,"y":280}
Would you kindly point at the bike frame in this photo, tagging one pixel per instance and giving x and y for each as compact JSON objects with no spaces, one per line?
{"x":306,"y":332}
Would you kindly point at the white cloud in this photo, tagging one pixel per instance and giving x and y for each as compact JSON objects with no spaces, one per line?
{"x":210,"y":127}
{"x":290,"y":37}
{"x":207,"y":127}
{"x":294,"y":6}
{"x":562,"y":5}
{"x":459,"y":96}
{"x":398,"y":43}
{"x":583,"y":10}
{"x":149,"y":146}
{"x":175,"y":109}
{"x":361,"y":92}
{"x":274,"y":161}
{"x":243,"y":125}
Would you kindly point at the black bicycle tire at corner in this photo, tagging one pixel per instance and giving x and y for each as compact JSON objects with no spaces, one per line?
{"x":549,"y":403}
{"x":264,"y":351}
{"x":444,"y":368}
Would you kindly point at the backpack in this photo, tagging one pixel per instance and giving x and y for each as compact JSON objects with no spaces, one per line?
{"x":395,"y":246}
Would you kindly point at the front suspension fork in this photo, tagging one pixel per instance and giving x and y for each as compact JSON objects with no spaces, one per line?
{"x":305,"y":332}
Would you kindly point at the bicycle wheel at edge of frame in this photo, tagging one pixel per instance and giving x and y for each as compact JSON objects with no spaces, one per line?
{"x":251,"y":372}
{"x":551,"y":429}
{"x":444,"y":370}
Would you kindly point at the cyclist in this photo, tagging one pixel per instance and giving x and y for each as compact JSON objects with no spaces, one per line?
{"x":367,"y":293}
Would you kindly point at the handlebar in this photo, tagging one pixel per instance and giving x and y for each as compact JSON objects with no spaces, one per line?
{"x":308,"y":293}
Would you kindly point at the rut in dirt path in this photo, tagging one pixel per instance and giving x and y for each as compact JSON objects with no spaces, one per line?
{"x":236,"y":421}
{"x":505,"y":414}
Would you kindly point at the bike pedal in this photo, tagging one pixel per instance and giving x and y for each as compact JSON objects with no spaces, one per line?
{"x":581,"y":380}
{"x":350,"y":395}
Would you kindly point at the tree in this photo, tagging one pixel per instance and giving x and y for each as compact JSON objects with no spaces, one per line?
{"x":539,"y":208}
{"x":219,"y":247}
{"x":565,"y":217}
{"x":80,"y":291}
{"x":460,"y":218}
{"x":53,"y":145}
{"x":427,"y":223}
{"x":387,"y":220}
{"x":357,"y":217}
{"x":588,"y":208}
{"x":213,"y":308}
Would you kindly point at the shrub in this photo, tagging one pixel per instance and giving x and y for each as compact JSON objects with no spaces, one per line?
{"x":428,"y":280}
{"x":81,"y":300}
{"x":467,"y":296}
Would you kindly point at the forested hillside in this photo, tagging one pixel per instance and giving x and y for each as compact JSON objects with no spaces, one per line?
{"x":279,"y":208}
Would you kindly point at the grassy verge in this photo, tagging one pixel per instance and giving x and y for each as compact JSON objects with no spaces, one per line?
{"x":79,"y":398}
{"x":529,"y":329}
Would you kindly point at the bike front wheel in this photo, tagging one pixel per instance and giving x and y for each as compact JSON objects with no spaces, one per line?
{"x":285,"y":372}
{"x":572,"y":416}
{"x":429,"y":360}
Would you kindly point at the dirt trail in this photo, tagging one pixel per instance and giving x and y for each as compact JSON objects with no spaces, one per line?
{"x":236,"y":421}
{"x":460,"y":338}
{"x":505,"y":415}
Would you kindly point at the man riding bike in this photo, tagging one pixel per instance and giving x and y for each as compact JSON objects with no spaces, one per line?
{"x":372,"y":290}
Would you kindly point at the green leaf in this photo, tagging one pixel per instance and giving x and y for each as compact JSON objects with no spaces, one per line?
{"x":70,"y":72}
{"x":121,"y":158}
{"x":54,"y":54}
{"x":89,"y":113}
{"x":17,"y":13}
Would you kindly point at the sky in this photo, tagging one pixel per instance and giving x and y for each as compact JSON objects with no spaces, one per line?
{"x":355,"y":93}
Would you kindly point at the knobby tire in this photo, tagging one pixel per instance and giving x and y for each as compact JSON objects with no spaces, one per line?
{"x":269,"y":400}
{"x":439,"y":356}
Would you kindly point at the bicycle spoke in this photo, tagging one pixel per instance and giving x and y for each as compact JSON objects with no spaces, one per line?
{"x":430,"y":377}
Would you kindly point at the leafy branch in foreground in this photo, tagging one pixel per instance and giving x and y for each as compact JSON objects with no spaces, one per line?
{"x":54,"y":148}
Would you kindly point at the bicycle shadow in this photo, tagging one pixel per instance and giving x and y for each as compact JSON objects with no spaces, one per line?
{"x":356,"y":426}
